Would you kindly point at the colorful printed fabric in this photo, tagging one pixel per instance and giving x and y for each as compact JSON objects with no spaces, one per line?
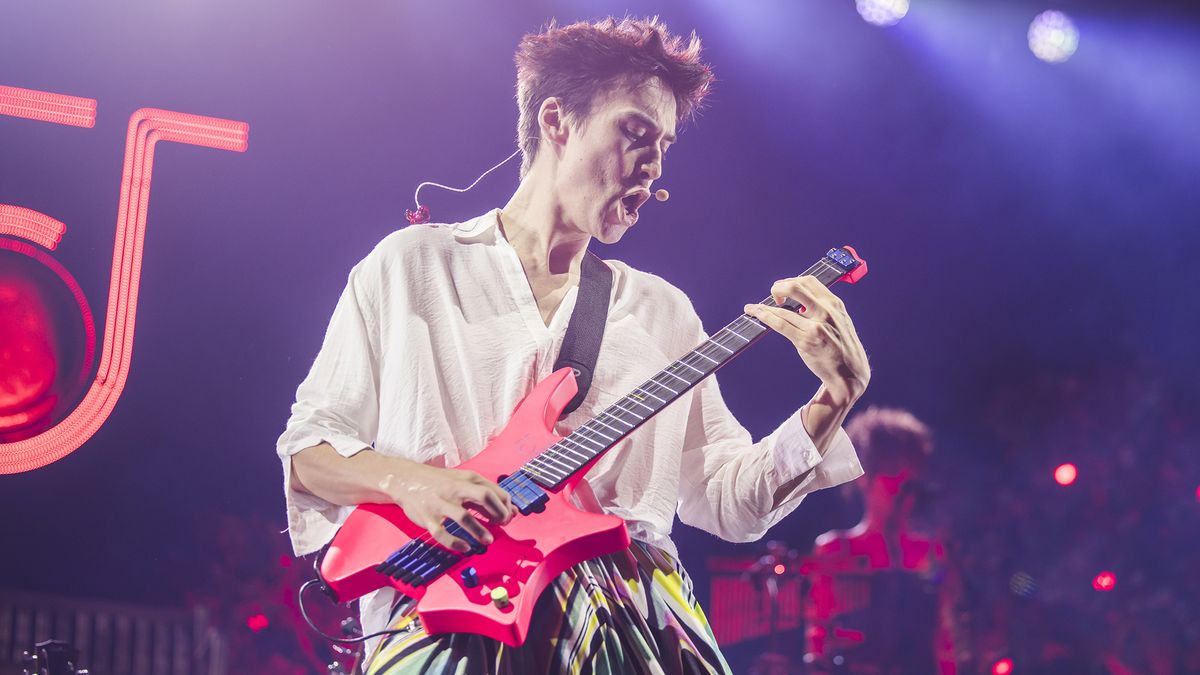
{"x":631,"y":612}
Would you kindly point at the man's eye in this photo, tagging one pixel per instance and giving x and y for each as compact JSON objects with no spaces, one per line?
{"x":634,"y":136}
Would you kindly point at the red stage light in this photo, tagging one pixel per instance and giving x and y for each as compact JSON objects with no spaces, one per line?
{"x":257,"y":622}
{"x":1198,"y":493}
{"x":779,"y":569}
{"x":1002,"y":667}
{"x":1104,"y":582}
{"x":1065,"y":474}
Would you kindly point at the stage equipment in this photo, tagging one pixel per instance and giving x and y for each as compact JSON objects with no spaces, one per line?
{"x":492,"y":590}
{"x":757,"y":597}
{"x":53,"y":657}
{"x":109,"y":638}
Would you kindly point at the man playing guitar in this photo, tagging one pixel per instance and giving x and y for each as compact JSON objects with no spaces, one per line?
{"x":442,"y":329}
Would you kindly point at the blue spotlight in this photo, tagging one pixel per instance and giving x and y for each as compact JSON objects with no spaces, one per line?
{"x":1053,"y":37}
{"x":882,"y":12}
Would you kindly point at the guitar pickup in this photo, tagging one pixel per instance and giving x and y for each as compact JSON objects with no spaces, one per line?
{"x":527,"y":496}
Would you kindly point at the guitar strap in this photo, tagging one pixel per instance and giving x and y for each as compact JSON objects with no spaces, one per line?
{"x":581,"y":344}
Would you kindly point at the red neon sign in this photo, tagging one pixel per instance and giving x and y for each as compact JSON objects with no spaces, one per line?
{"x":147,"y":127}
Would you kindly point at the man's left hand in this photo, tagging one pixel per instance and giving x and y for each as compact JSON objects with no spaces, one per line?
{"x":823,"y":334}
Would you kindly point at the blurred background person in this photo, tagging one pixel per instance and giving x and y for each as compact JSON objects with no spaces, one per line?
{"x":880,"y":600}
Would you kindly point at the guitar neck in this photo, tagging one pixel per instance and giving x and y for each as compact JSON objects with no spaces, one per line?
{"x":558,"y":463}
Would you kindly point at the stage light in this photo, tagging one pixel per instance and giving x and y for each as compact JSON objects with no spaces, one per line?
{"x":257,"y":622}
{"x":1053,"y":37}
{"x":882,"y":12}
{"x":1065,"y":474}
{"x":1198,"y":493}
{"x":1002,"y":667}
{"x":779,"y":569}
{"x":1104,"y":582}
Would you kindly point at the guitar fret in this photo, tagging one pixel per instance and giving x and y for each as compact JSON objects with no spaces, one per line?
{"x":549,"y":470}
{"x":536,"y":474}
{"x":585,"y":450}
{"x":550,"y":457}
{"x":735,"y":333}
{"x":571,"y":453}
{"x":697,"y":371}
{"x":714,"y":342}
{"x":588,"y":453}
{"x":579,"y":433}
{"x":617,"y":404}
{"x":703,"y":356}
{"x":611,"y":412}
{"x":619,"y":432}
{"x":617,"y":419}
{"x":580,"y":460}
{"x":640,"y":403}
{"x":665,"y":387}
{"x":597,"y":432}
{"x":645,"y":391}
{"x":585,"y":428}
{"x":668,"y":371}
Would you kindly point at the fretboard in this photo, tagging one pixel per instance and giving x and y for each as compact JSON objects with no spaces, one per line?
{"x":559,"y":462}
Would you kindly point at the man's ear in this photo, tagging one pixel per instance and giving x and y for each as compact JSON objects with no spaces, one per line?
{"x":552,"y":121}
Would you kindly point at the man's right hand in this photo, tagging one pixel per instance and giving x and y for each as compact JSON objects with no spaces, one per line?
{"x":430,"y":495}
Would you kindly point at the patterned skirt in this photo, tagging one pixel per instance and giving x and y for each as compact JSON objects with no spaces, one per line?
{"x":628,"y":612}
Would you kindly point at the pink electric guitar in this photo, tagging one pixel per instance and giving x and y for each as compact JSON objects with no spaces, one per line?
{"x":492,"y":590}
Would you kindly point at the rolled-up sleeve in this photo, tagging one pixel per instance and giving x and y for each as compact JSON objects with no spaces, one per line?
{"x":728,"y":482}
{"x":337,"y":403}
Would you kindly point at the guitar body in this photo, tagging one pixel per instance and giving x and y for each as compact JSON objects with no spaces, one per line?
{"x":527,"y":555}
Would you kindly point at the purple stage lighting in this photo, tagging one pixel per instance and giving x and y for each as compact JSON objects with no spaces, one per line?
{"x":1053,"y":37}
{"x":882,"y":12}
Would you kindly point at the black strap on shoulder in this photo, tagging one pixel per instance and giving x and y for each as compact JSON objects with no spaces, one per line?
{"x":581,"y":344}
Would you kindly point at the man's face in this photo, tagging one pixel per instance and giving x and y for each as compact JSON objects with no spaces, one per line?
{"x":612,"y":156}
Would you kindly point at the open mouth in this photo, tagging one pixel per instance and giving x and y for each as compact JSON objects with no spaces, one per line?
{"x":632,"y":202}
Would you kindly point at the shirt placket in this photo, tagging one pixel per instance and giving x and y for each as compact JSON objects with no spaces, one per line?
{"x":546,"y":338}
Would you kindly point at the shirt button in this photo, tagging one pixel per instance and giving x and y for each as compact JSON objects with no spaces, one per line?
{"x":807,"y":456}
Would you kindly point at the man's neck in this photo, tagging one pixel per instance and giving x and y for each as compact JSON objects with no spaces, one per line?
{"x":534,"y":226}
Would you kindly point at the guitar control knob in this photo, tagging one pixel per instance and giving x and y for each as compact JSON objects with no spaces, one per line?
{"x":500,"y":597}
{"x":470,"y":577}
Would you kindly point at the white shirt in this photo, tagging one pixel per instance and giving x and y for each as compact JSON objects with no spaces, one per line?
{"x":436,"y":339}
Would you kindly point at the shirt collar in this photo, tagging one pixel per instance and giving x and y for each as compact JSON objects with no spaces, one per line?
{"x":483,"y":229}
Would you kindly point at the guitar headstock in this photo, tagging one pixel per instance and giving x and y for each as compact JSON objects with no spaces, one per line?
{"x":841,"y":264}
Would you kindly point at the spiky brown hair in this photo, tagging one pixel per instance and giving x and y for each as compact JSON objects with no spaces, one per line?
{"x":575,"y":63}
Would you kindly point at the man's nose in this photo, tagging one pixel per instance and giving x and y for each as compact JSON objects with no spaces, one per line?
{"x":652,"y":170}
